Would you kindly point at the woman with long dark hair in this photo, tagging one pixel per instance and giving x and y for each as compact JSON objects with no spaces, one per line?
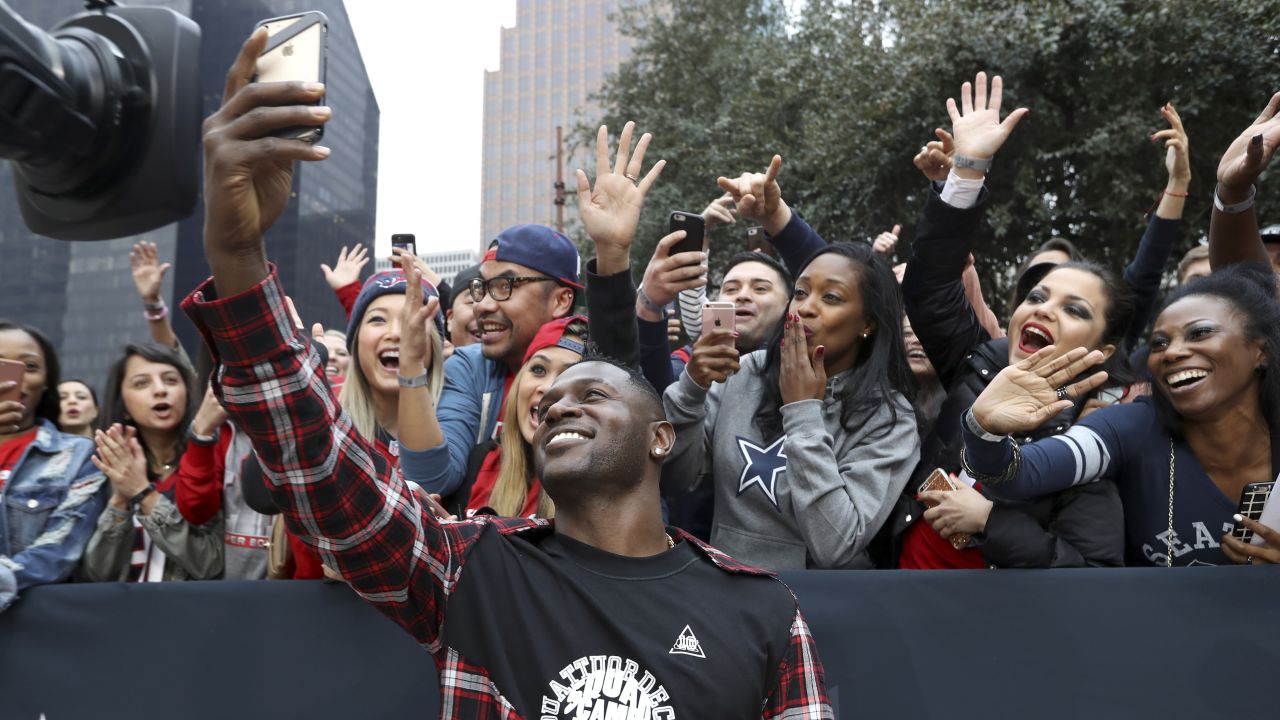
{"x":49,"y":490}
{"x":146,"y":418}
{"x":78,"y":407}
{"x":809,"y":442}
{"x":1181,"y":458}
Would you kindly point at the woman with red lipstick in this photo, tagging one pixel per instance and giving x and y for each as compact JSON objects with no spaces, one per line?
{"x":1069,"y":305}
{"x":145,"y":429}
{"x":1181,"y":458}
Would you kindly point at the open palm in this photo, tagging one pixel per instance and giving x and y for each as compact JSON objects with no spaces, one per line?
{"x":1024,"y":395}
{"x":976,"y":125}
{"x":610,"y":211}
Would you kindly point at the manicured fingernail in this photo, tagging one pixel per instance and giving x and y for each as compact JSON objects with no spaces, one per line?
{"x":313,"y":87}
{"x":1257,"y":139}
{"x":322,"y":151}
{"x":1238,"y":517}
{"x":322,"y":111}
{"x":821,"y":349}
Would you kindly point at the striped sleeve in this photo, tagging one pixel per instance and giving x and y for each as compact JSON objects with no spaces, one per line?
{"x":1087,"y":452}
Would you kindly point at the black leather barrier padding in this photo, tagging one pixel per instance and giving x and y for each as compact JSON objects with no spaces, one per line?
{"x":1131,"y":643}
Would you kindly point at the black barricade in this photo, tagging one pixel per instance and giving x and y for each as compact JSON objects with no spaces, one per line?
{"x":1187,"y":643}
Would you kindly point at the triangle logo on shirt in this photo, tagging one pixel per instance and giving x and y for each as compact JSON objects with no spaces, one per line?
{"x":687,"y":644}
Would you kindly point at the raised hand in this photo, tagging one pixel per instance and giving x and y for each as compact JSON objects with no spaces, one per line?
{"x":885,"y":242}
{"x":720,"y":212}
{"x":976,"y":125}
{"x":122,"y":460}
{"x":415,"y":321}
{"x":1177,"y":158}
{"x":210,"y":416}
{"x":803,"y":375}
{"x":759,"y":197}
{"x":346,"y":269}
{"x":666,"y":275}
{"x":611,"y":210}
{"x":249,"y":172}
{"x":714,"y":357}
{"x":423,"y":267}
{"x":1026,"y":394}
{"x":935,"y":157}
{"x":1249,"y":154}
{"x":148,"y":271}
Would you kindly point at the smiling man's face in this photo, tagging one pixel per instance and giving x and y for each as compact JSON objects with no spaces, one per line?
{"x":596,"y":428}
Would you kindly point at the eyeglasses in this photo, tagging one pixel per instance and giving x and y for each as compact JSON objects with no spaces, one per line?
{"x":500,"y":288}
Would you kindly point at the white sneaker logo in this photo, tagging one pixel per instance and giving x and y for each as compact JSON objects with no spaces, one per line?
{"x":687,"y":644}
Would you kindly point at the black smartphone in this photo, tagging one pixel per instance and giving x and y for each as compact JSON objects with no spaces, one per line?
{"x":295,"y":52}
{"x":694,"y":227}
{"x":1252,"y":500}
{"x":757,"y":242}
{"x":406,"y":242}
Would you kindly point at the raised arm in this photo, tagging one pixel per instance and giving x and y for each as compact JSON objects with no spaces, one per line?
{"x":334,"y":489}
{"x":344,"y":277}
{"x":1233,"y":229}
{"x":148,"y":278}
{"x":610,"y":213}
{"x":759,"y":198}
{"x":1146,"y":271}
{"x":932,"y":288}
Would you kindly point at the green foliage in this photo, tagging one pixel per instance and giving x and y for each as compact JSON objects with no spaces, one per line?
{"x":847,"y":92}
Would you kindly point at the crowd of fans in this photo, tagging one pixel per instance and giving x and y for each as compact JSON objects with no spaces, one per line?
{"x":1101,"y":425}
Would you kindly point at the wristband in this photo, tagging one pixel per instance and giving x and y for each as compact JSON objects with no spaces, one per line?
{"x":649,"y":304}
{"x":416,"y":381}
{"x":199,"y":439}
{"x":159,"y":311}
{"x":963,"y":161}
{"x":1237,"y":208}
{"x":136,"y":501}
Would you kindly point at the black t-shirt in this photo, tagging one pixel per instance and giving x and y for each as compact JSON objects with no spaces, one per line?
{"x":566,"y":630}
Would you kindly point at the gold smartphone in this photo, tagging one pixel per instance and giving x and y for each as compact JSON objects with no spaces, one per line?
{"x":940,"y":480}
{"x":295,"y":52}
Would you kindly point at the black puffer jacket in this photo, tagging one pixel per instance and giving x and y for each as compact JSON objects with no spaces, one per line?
{"x":1079,"y":527}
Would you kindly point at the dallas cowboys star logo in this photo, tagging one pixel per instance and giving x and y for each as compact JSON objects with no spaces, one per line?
{"x":763,"y":467}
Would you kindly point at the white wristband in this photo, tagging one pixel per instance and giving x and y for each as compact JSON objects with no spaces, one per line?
{"x":1237,"y":208}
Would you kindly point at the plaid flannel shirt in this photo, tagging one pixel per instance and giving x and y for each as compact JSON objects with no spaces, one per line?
{"x":342,"y":497}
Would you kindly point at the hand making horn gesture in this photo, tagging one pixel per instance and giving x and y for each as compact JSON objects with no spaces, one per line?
{"x":1027,"y":393}
{"x":759,"y":198}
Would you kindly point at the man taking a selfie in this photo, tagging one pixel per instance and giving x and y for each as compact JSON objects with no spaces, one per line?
{"x":604,"y":613}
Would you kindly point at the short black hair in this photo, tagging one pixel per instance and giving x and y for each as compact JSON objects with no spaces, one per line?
{"x":747,"y":256}
{"x":636,"y":377}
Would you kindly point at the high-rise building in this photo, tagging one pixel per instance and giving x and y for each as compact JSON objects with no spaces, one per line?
{"x":553,"y":60}
{"x":82,"y":294}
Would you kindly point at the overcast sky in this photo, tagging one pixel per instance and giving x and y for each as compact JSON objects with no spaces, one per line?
{"x":426,"y":61}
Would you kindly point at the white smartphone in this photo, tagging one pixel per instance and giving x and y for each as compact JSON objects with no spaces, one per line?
{"x":295,"y":52}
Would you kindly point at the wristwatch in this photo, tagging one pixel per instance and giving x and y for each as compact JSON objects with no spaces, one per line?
{"x":963,"y":161}
{"x":135,"y":502}
{"x":416,"y":381}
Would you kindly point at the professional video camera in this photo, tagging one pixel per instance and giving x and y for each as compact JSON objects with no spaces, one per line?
{"x":101,"y":119}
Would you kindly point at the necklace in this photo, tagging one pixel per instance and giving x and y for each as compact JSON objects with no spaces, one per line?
{"x":1168,"y":538}
{"x":671,"y":544}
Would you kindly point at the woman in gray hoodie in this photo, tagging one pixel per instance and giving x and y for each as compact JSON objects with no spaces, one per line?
{"x":809,"y":441}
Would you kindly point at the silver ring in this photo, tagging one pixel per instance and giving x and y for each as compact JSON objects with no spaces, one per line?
{"x":1062,"y":393}
{"x":631,"y":177}
{"x":1248,"y":560}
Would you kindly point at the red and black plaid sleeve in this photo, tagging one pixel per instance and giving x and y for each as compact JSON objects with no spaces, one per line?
{"x":801,"y":690}
{"x":334,"y":489}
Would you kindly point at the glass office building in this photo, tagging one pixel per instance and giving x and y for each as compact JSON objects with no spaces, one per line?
{"x":555,"y":57}
{"x":82,"y":294}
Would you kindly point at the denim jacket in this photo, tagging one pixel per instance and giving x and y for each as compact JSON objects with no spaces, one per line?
{"x":51,"y":504}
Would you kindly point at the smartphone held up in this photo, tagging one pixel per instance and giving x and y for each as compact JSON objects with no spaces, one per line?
{"x":694,"y":227}
{"x":295,"y":52}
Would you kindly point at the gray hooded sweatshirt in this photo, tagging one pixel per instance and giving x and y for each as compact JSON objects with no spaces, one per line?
{"x":812,"y":498}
